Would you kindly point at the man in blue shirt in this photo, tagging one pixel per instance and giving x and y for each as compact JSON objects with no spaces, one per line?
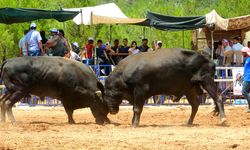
{"x":246,"y":84}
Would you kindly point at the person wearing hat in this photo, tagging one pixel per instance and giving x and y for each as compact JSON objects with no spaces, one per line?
{"x":88,"y":50}
{"x":159,"y":45}
{"x":246,"y":84}
{"x":33,"y":42}
{"x":56,"y":45}
{"x":53,"y":32}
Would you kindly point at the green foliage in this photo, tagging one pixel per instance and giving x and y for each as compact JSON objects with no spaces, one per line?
{"x":10,"y":34}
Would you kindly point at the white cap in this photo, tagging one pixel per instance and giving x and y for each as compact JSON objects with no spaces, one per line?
{"x":54,"y":30}
{"x":91,"y":39}
{"x":32,"y":25}
{"x":76,"y":44}
{"x":107,"y":43}
{"x":159,"y":42}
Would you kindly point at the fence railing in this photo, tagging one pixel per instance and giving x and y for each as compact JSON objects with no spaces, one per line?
{"x":223,"y":78}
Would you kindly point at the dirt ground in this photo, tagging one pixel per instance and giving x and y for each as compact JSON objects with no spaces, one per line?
{"x":161,"y":127}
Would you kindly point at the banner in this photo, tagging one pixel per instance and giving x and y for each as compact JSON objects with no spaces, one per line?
{"x":237,"y":80}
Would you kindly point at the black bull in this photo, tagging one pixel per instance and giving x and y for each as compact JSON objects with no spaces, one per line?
{"x":69,"y":81}
{"x":174,"y":72}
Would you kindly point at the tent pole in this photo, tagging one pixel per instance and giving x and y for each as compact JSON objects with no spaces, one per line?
{"x":93,"y":35}
{"x":183,"y":42}
{"x":212,"y":40}
{"x":110,"y":33}
{"x":143,"y":30}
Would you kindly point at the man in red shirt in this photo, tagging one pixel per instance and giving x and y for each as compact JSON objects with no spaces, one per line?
{"x":88,"y":51}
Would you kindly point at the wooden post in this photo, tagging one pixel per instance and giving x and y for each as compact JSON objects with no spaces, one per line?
{"x":212,"y":40}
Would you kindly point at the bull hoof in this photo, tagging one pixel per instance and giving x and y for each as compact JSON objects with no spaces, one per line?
{"x":71,"y":122}
{"x":135,"y":125}
{"x":107,"y":121}
{"x":223,"y":121}
{"x":99,"y":122}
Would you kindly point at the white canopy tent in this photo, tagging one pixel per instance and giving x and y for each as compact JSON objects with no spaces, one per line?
{"x":110,"y":10}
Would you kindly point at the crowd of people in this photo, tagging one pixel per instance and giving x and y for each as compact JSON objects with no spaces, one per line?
{"x":227,"y":52}
{"x":35,"y":43}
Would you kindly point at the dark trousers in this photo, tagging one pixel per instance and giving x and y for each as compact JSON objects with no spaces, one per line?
{"x":245,"y":91}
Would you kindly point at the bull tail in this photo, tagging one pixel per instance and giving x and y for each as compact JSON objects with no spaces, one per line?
{"x":1,"y":69}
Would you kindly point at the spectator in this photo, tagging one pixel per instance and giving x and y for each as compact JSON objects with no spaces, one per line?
{"x":154,"y":45}
{"x":56,"y":44}
{"x":75,"y":47}
{"x":107,"y":60}
{"x":67,"y":54}
{"x":22,"y":47}
{"x":219,"y":53}
{"x":100,"y":49}
{"x":133,"y":48}
{"x":33,"y":42}
{"x":64,"y":40}
{"x":228,"y":53}
{"x":144,"y":47}
{"x":246,"y":84}
{"x":208,"y":49}
{"x":238,"y":58}
{"x":88,"y":51}
{"x":248,"y":44}
{"x":159,"y":45}
{"x":108,"y":51}
{"x":74,"y":56}
{"x":116,"y":46}
{"x":44,"y":40}
{"x":53,"y":32}
{"x":236,"y":44}
{"x":124,"y":48}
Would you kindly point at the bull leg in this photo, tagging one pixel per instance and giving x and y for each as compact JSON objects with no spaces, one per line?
{"x":70,"y":115}
{"x":137,"y":108}
{"x":209,"y":85}
{"x":8,"y":105}
{"x":2,"y":104}
{"x":15,"y":97}
{"x":194,"y":102}
{"x":139,"y":100}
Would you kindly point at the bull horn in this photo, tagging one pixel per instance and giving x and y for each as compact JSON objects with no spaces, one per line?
{"x":98,"y":92}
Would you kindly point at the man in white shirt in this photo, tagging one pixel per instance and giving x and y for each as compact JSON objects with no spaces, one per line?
{"x":33,"y":42}
{"x":238,"y":58}
{"x":228,"y":53}
{"x":236,"y":44}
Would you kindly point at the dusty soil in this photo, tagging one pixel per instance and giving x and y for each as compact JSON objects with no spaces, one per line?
{"x":160,"y":128}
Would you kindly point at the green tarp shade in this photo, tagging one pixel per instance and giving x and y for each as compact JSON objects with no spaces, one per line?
{"x":163,"y":22}
{"x":18,"y":15}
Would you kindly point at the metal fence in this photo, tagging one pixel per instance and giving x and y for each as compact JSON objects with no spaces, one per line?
{"x":223,"y":79}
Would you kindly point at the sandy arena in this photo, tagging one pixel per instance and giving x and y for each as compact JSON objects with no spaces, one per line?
{"x":160,"y":128}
